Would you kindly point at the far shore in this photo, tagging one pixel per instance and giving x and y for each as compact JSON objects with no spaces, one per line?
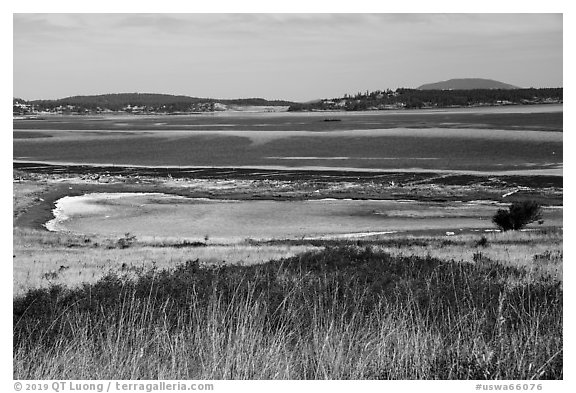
{"x":510,"y":108}
{"x":554,"y":171}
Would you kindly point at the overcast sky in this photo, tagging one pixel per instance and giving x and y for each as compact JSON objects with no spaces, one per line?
{"x":278,"y":56}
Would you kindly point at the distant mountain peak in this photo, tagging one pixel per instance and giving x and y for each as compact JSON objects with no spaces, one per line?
{"x":467,"y":84}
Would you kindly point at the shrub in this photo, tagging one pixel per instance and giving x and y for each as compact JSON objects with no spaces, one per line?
{"x":483,"y":242}
{"x":548,"y":256}
{"x":126,"y":241}
{"x":518,"y":215}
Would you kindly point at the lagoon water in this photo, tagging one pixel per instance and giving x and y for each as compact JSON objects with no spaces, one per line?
{"x":163,"y":216}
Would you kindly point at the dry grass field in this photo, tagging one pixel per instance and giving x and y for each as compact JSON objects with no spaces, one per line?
{"x":42,"y":259}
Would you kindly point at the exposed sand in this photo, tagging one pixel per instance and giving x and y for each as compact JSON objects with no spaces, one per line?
{"x":259,"y":137}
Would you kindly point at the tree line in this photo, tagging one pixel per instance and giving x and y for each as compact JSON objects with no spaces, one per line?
{"x":142,"y":102}
{"x":414,"y":98}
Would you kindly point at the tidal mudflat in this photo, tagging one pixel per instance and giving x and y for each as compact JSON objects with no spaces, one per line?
{"x":156,"y":215}
{"x":474,"y":140}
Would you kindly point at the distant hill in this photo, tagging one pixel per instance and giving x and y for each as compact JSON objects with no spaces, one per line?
{"x":123,"y":99}
{"x":467,"y":84}
{"x":447,"y":96}
{"x":145,"y":103}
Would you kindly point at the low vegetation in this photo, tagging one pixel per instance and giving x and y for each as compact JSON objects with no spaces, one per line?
{"x":344,"y":312}
{"x":37,"y":255}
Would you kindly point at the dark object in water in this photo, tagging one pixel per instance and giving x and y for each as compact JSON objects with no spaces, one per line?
{"x":330,"y":119}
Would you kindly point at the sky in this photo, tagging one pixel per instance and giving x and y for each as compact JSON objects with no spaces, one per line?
{"x":298,"y":57}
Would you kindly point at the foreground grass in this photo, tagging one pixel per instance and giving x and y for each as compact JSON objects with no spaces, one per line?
{"x":345,"y":312}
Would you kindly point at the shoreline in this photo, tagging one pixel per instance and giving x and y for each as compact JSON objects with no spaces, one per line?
{"x":38,"y":214}
{"x":267,"y":184}
{"x":510,"y":108}
{"x":93,"y":203}
{"x":555,"y":171}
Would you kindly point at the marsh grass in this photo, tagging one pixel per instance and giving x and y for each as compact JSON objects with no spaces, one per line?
{"x":340,"y":313}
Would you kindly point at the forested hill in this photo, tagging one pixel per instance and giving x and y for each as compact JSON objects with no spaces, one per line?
{"x":415,"y":98}
{"x":141,"y":102}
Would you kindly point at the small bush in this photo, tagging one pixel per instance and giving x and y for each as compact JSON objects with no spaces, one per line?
{"x":483,"y":242}
{"x":518,"y":215}
{"x":49,"y":276}
{"x":126,"y":241}
{"x":548,"y":256}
